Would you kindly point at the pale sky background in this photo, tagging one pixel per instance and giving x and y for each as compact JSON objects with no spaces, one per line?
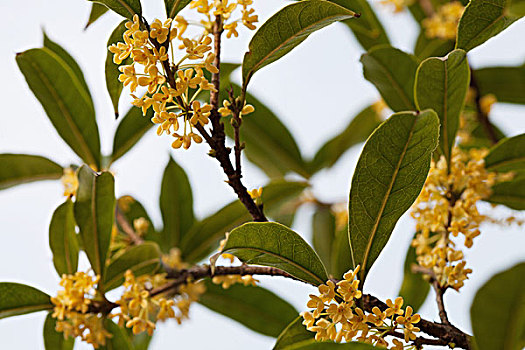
{"x":325,"y":68}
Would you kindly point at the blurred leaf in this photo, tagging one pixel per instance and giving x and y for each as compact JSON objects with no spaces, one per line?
{"x":113,"y":85}
{"x":389,"y":175}
{"x":358,"y":130}
{"x":126,"y":8}
{"x":63,"y":239}
{"x":323,"y":228}
{"x":16,"y":169}
{"x":130,"y":130}
{"x":393,"y":73}
{"x":482,"y":20}
{"x":65,"y":100}
{"x":140,"y":259}
{"x":295,"y":334}
{"x":119,"y":340}
{"x":175,"y":6}
{"x":132,"y":210}
{"x":94,"y":213}
{"x":255,"y":307}
{"x":272,"y":244}
{"x":506,"y":83}
{"x":341,"y":254}
{"x":19,"y":299}
{"x":507,"y":155}
{"x":204,"y":236}
{"x":97,"y":10}
{"x":442,"y":85}
{"x":54,"y":340}
{"x":414,"y":288}
{"x":510,"y":194}
{"x":432,"y":47}
{"x":176,"y":206}
{"x":273,"y":40}
{"x":498,"y":311}
{"x":140,"y":341}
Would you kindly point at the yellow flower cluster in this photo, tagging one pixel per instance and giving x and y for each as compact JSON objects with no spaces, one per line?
{"x":173,"y":260}
{"x":70,"y":182}
{"x":447,"y":207}
{"x":72,"y":306}
{"x":397,"y":5}
{"x":141,"y":226}
{"x":227,"y":280}
{"x":443,"y":24}
{"x":336,"y":316}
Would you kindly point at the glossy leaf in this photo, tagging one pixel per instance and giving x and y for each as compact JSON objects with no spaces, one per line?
{"x":140,"y":259}
{"x":63,"y":239}
{"x":65,"y":100}
{"x":16,"y":169}
{"x":97,"y":10}
{"x":272,"y":244}
{"x":323,"y":228}
{"x":442,"y":85}
{"x":54,"y":340}
{"x":130,"y":130}
{"x":119,"y":339}
{"x":507,"y":155}
{"x":255,"y":307}
{"x":510,"y":194}
{"x":19,"y":299}
{"x":94,"y":212}
{"x":482,"y":20}
{"x":113,"y":85}
{"x":176,"y":206}
{"x":506,"y":83}
{"x":205,"y":235}
{"x":414,"y":288}
{"x":126,"y":8}
{"x":498,"y":311}
{"x":341,"y":254}
{"x":388,"y":178}
{"x":393,"y":73}
{"x":286,"y":29}
{"x":358,"y":130}
{"x":175,"y":6}
{"x":295,"y":334}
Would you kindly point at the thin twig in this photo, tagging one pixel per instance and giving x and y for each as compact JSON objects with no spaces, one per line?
{"x":127,"y":228}
{"x":482,"y":117}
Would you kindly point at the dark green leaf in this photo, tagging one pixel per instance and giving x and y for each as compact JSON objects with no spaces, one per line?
{"x":119,"y":339}
{"x":393,"y":73}
{"x":97,"y":10}
{"x":255,"y":307}
{"x":358,"y":130}
{"x":94,"y":212}
{"x":432,"y":47}
{"x":295,"y":334}
{"x":54,"y":340}
{"x":286,"y":29}
{"x":510,"y":194}
{"x":140,"y":341}
{"x":65,"y":100}
{"x":323,"y":228}
{"x":175,"y":6}
{"x":498,"y":311}
{"x":506,"y":83}
{"x":18,"y":169}
{"x":19,"y":299}
{"x":63,"y":239}
{"x":130,"y":130}
{"x":113,"y":85}
{"x":442,"y":85}
{"x":126,"y":8}
{"x":414,"y":288}
{"x":507,"y":155}
{"x":272,"y":244}
{"x":389,"y":175}
{"x":341,"y":254}
{"x":140,"y":259}
{"x":176,"y":206}
{"x":205,"y":235}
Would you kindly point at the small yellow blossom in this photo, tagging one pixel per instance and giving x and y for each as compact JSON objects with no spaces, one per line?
{"x":70,"y":182}
{"x":443,"y":24}
{"x":486,"y":102}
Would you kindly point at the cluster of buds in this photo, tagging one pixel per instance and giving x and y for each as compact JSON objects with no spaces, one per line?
{"x":337,"y":316}
{"x":444,"y":23}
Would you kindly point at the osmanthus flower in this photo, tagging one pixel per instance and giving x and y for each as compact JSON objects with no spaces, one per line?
{"x":443,"y":24}
{"x":226,"y":281}
{"x":70,"y":182}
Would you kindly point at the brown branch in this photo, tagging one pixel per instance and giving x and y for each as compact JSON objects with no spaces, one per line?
{"x":126,"y":227}
{"x":482,"y":117}
{"x":215,"y":77}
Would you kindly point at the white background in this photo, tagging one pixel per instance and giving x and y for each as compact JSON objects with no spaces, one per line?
{"x":315,"y":90}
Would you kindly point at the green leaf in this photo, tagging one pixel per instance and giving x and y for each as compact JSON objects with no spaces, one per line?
{"x":16,"y":169}
{"x":272,"y":244}
{"x":130,"y":130}
{"x":506,"y":83}
{"x":389,"y":175}
{"x":54,"y":340}
{"x":126,"y":8}
{"x":140,"y":341}
{"x":175,"y":6}
{"x":507,"y":155}
{"x":341,"y":254}
{"x":510,"y":194}
{"x":482,"y":20}
{"x":94,"y":213}
{"x":63,"y":239}
{"x":432,"y":47}
{"x":255,"y":307}
{"x":295,"y":334}
{"x":358,"y":130}
{"x":119,"y":339}
{"x":113,"y":85}
{"x":132,"y":210}
{"x":286,"y":29}
{"x":97,"y":10}
{"x":19,"y":299}
{"x":393,"y":73}
{"x":323,"y":228}
{"x":140,"y":259}
{"x":204,"y":236}
{"x":414,"y":288}
{"x":176,"y":205}
{"x":498,"y":311}
{"x":65,"y":100}
{"x":442,"y":85}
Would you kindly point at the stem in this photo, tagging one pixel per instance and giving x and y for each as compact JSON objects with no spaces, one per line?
{"x":126,"y":227}
{"x":482,"y":117}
